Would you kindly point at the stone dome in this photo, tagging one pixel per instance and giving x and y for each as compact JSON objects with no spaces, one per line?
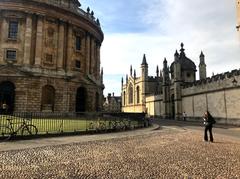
{"x":186,"y":63}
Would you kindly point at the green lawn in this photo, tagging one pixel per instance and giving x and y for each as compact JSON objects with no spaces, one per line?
{"x":59,"y":125}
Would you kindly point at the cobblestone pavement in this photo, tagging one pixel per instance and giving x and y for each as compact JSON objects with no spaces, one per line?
{"x":164,"y":153}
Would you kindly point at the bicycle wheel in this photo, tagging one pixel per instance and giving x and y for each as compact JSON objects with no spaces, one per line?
{"x":5,"y":133}
{"x":29,"y":130}
{"x":90,"y":126}
{"x":102,"y":126}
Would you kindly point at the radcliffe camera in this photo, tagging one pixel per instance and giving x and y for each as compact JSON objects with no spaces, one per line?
{"x":119,"y":89}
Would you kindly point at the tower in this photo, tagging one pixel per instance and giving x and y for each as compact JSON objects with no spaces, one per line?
{"x":144,"y":68}
{"x":166,"y":90}
{"x":177,"y":98}
{"x":202,"y":67}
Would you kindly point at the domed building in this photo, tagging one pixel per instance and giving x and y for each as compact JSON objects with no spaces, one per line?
{"x":49,"y":57}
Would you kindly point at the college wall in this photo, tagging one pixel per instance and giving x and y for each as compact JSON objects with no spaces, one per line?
{"x":233,"y":103}
{"x":154,"y":105}
{"x":220,"y":98}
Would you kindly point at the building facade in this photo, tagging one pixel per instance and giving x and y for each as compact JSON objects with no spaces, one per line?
{"x":49,"y":56}
{"x":112,"y":103}
{"x":175,"y":90}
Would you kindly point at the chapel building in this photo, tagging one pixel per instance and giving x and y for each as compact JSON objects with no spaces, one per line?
{"x":175,"y":90}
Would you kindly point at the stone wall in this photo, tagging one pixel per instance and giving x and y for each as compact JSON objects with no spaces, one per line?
{"x":219,"y":96}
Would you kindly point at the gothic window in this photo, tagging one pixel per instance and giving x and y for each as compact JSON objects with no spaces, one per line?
{"x":130,"y":94}
{"x":13,"y":30}
{"x":78,"y":43}
{"x":11,"y":55}
{"x":188,"y":75}
{"x":124,"y":98}
{"x":138,"y":95}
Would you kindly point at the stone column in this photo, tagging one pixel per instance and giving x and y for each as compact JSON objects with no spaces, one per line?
{"x":98,"y":62}
{"x":69,"y":47}
{"x":39,"y":41}
{"x":28,"y":40}
{"x":93,"y":60}
{"x":2,"y":37}
{"x":87,"y":53}
{"x":60,"y":56}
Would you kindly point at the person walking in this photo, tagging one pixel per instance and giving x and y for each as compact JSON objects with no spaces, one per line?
{"x":184,"y":116}
{"x":208,"y":123}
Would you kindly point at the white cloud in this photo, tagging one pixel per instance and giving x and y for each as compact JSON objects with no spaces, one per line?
{"x":200,"y":24}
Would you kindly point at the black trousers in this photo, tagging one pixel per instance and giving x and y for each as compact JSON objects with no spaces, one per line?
{"x":208,"y":128}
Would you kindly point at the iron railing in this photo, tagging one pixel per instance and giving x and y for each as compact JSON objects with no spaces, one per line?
{"x":65,"y":123}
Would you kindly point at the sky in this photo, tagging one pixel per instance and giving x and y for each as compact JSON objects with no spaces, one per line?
{"x":157,"y":28}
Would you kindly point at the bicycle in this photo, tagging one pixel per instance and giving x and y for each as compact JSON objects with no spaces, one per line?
{"x":98,"y":126}
{"x":7,"y":131}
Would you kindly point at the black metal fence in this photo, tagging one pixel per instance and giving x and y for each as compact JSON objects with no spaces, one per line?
{"x":21,"y":124}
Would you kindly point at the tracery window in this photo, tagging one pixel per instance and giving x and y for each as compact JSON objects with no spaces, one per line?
{"x":130,"y":94}
{"x":138,"y":95}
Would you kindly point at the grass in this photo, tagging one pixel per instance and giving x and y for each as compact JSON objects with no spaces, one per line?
{"x":64,"y":125}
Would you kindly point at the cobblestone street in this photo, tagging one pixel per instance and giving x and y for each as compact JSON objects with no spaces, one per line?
{"x":167,"y":153}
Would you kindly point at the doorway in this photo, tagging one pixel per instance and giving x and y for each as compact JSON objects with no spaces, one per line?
{"x":7,"y":96}
{"x":81,"y":100}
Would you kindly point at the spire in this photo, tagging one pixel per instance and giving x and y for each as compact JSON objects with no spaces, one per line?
{"x":157,"y":71}
{"x":176,"y":56}
{"x":144,"y":62}
{"x":182,"y":53}
{"x":126,"y":78}
{"x":165,"y":63}
{"x":134,"y":74}
{"x":202,"y":55}
{"x":122,"y":81}
{"x":202,"y":58}
{"x":161,"y":75}
{"x":131,"y":70}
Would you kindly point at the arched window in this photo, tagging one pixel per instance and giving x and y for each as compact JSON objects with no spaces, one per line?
{"x":138,"y":95}
{"x":81,"y":99}
{"x":124,"y":98}
{"x":130,"y":94}
{"x":48,"y":98}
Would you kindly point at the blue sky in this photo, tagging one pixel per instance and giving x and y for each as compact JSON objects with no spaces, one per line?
{"x":157,"y":27}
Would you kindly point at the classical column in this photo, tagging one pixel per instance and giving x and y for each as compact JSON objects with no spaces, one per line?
{"x":4,"y":36}
{"x":92,"y":62}
{"x":98,"y":62}
{"x":69,"y":46}
{"x":39,"y":41}
{"x":28,"y":40}
{"x":60,"y":57}
{"x":1,"y":51}
{"x":88,"y":42}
